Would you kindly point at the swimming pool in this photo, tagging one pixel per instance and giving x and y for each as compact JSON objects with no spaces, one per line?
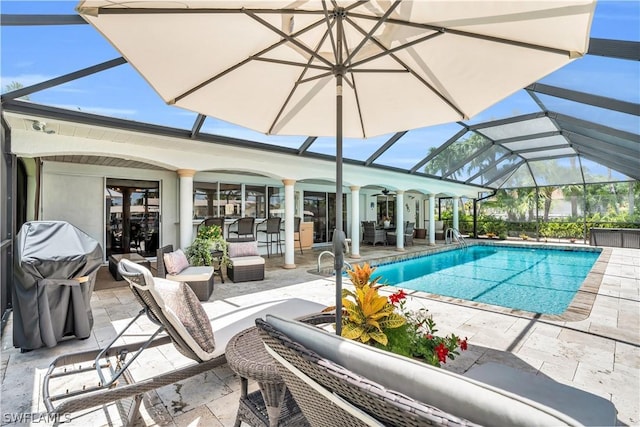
{"x":531,"y":279}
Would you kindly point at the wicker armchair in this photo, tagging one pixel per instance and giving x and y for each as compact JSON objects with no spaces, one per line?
{"x":373,"y":235}
{"x":199,"y":278}
{"x":409,"y":229}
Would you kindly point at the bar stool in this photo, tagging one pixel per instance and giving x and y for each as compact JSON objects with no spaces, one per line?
{"x":272,"y":235}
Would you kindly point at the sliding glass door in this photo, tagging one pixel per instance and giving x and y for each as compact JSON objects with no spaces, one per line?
{"x":320,"y":208}
{"x":132,"y":216}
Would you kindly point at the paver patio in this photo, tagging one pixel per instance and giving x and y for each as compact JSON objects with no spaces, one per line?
{"x":599,"y":354}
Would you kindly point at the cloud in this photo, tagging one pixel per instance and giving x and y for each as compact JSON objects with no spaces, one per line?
{"x":104,"y":111}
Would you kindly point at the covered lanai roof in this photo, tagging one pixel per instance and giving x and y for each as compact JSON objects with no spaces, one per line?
{"x":577,"y":125}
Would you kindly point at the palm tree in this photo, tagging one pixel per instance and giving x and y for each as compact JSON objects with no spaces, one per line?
{"x":15,"y":86}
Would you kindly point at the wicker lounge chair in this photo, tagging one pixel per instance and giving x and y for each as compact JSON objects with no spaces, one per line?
{"x":336,"y":381}
{"x":176,"y":311}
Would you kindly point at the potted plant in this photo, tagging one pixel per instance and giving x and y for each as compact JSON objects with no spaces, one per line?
{"x":209,"y":239}
{"x":386,"y":323}
{"x":386,"y":222}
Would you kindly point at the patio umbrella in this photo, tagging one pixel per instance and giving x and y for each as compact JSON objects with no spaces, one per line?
{"x":341,"y":68}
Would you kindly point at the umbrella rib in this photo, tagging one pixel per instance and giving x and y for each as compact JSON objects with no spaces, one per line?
{"x":397,"y":48}
{"x":300,"y":80}
{"x":106,"y":10}
{"x":329,"y":25}
{"x":292,"y":63}
{"x":355,"y":93}
{"x":288,"y":37}
{"x":412,"y":72}
{"x":319,"y":76}
{"x":378,"y":70}
{"x":469,"y":34}
{"x":381,"y":20}
{"x":240,"y":64}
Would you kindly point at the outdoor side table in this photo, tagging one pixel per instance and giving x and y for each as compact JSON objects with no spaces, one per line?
{"x":272,"y":405}
{"x":133,"y":257}
{"x":216,"y":257}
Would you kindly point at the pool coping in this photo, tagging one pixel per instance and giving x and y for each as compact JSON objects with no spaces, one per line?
{"x":579,"y":308}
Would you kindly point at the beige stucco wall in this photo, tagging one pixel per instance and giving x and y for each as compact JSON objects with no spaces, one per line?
{"x":75,"y":193}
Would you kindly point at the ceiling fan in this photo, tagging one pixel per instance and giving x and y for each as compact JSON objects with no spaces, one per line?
{"x":385,"y":192}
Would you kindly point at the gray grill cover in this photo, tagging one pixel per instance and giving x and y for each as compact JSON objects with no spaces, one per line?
{"x":48,"y":304}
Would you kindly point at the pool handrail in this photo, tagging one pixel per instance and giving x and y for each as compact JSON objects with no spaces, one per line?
{"x":453,"y":233}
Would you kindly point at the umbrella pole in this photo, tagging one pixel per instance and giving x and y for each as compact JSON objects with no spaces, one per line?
{"x":338,"y":234}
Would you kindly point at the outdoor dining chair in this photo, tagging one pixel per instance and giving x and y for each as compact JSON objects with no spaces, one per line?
{"x":219,"y":221}
{"x":297,"y":237}
{"x":243,"y":228}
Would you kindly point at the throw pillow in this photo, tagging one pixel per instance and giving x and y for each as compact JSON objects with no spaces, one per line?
{"x":181,"y":304}
{"x":175,"y":262}
{"x":240,"y":249}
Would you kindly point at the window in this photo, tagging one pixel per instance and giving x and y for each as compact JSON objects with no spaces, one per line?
{"x":255,"y":204}
{"x":205,"y":200}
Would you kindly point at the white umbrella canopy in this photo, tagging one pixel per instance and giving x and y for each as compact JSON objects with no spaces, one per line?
{"x":270,"y":65}
{"x":341,"y":68}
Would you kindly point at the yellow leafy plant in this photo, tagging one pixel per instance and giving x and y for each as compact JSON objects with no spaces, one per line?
{"x":360,"y":275}
{"x":366,"y":313}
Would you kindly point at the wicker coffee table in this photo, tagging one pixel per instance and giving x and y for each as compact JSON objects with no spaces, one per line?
{"x":272,"y":405}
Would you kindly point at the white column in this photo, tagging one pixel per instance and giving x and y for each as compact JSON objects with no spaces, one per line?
{"x":400,"y":220}
{"x":455,"y":213}
{"x":289,"y":213}
{"x":432,"y":219}
{"x":355,"y":221}
{"x":186,"y":206}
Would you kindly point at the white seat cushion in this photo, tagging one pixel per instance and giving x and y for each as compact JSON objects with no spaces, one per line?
{"x":588,"y":408}
{"x":192,"y":274}
{"x":247,"y":260}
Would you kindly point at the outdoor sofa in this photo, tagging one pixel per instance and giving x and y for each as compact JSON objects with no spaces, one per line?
{"x":337,"y":381}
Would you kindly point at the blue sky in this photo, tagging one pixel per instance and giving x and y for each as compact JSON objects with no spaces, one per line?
{"x":33,"y":54}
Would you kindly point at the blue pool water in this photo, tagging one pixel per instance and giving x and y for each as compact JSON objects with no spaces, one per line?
{"x":536,"y":280}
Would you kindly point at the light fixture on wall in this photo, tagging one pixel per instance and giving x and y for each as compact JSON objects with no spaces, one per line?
{"x":372,"y":205}
{"x":39,"y":126}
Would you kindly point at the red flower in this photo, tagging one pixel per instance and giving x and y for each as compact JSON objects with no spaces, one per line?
{"x":463,"y":344}
{"x":442,"y":352}
{"x":429,"y":336}
{"x":397,"y":297}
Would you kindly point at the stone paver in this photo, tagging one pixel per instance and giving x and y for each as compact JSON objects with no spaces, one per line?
{"x":599,"y":354}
